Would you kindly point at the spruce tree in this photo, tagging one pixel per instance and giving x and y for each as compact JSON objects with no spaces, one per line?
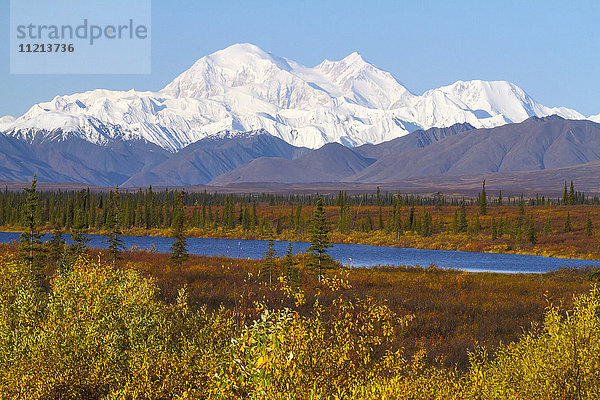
{"x":247,"y":219}
{"x":92,"y":211}
{"x":547,"y":226}
{"x":31,"y":249}
{"x":240,"y":219}
{"x":319,"y":239}
{"x":268,"y":268}
{"x":369,"y":222}
{"x":572,"y":197}
{"x":441,"y":225}
{"x":114,"y":238}
{"x":521,"y":205}
{"x":531,"y":233}
{"x":410,"y":222}
{"x":211,"y":219}
{"x":255,"y":215}
{"x":427,"y":225}
{"x":568,"y":227}
{"x":341,"y":203}
{"x":455,"y":223}
{"x":462,"y":221}
{"x":56,"y":244}
{"x":139,"y":211}
{"x":518,"y":229}
{"x":298,"y":219}
{"x":202,"y":217}
{"x":588,"y":226}
{"x":494,"y":229}
{"x":565,"y":200}
{"x":149,"y":211}
{"x":288,"y":259}
{"x":292,"y":272}
{"x":179,"y":248}
{"x":397,"y":216}
{"x":483,"y":200}
{"x":477,"y":225}
{"x":79,"y":246}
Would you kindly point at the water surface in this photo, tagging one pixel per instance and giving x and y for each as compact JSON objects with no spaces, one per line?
{"x":351,"y":254}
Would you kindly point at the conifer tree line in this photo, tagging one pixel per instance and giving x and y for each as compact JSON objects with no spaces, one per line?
{"x":113,"y":210}
{"x":153,"y":209}
{"x":33,"y":251}
{"x":116,"y":210}
{"x":572,"y":197}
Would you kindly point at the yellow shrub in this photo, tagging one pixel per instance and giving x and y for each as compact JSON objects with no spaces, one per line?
{"x":561,"y":361}
{"x":101,"y":333}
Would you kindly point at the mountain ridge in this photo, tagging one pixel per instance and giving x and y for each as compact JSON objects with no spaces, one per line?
{"x":206,"y":159}
{"x":232,"y":158}
{"x":534,"y":144}
{"x":244,"y":88}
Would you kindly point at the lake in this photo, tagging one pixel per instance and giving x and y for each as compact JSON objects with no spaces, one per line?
{"x":350,"y":254}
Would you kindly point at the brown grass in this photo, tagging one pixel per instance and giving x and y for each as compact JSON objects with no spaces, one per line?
{"x":454,"y":311}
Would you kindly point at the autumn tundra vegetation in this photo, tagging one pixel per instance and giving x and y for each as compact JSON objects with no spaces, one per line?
{"x":133,"y":324}
{"x":565,"y":226}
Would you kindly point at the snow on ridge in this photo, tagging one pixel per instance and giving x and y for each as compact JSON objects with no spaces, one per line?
{"x":244,"y":88}
{"x":595,"y":118}
{"x":6,"y":122}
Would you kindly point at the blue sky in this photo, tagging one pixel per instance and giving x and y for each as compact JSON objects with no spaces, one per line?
{"x":549,"y":48}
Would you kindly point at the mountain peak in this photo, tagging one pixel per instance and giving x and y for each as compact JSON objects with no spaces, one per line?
{"x":353,"y":62}
{"x":354,"y":58}
{"x":241,"y":53}
{"x":243,"y":47}
{"x":239,"y":65}
{"x":552,"y":117}
{"x":245,"y":88}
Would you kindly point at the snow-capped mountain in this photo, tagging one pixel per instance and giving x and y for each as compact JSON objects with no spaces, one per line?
{"x":6,"y":121}
{"x":488,"y":99}
{"x":243,"y":88}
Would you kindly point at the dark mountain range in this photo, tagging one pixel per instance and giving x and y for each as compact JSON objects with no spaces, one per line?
{"x":412,"y":141}
{"x":17,"y":163}
{"x":586,"y":178}
{"x":333,"y":162}
{"x":534,"y":144}
{"x":549,"y":182}
{"x":76,"y":160}
{"x":537,"y":144}
{"x":330,"y":163}
{"x":206,"y":159}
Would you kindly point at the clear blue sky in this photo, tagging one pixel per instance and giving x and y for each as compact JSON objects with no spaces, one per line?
{"x":549,"y":48}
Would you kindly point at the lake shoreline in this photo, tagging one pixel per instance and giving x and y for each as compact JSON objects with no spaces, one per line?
{"x":351,"y":255}
{"x":407,"y":241}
